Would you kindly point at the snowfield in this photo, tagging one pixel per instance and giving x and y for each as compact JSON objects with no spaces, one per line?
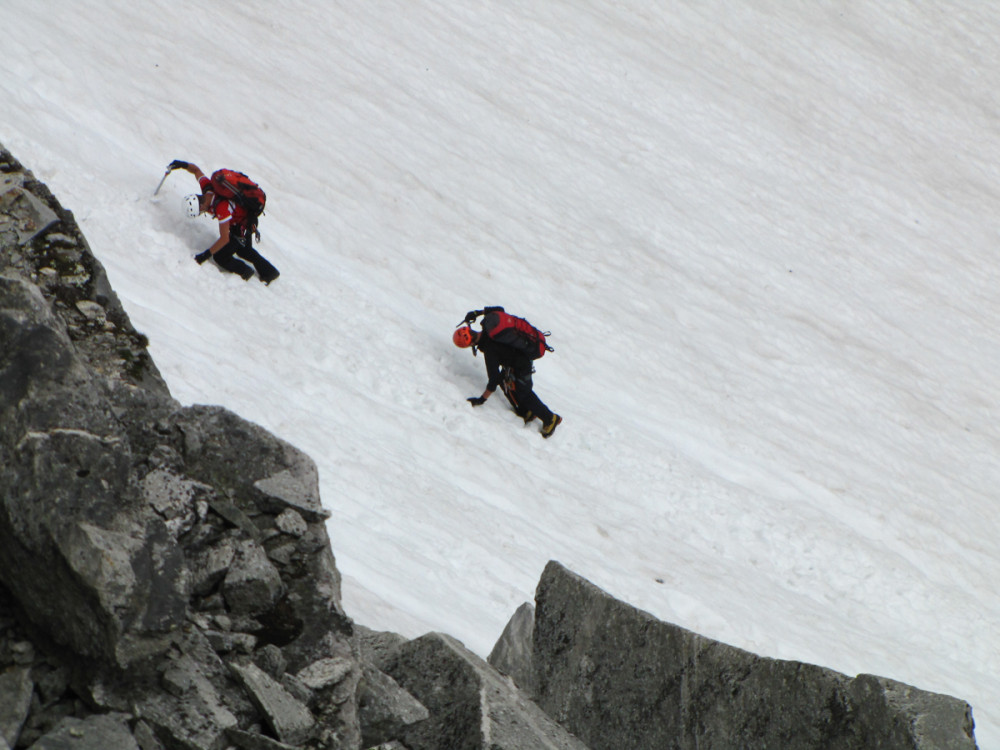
{"x":763,"y":236}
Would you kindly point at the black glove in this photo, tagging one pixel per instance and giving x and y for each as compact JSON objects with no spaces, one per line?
{"x":202,"y":257}
{"x":177,"y":164}
{"x":476,"y":400}
{"x":470,"y":317}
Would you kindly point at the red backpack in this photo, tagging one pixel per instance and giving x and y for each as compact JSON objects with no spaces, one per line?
{"x":237,"y":187}
{"x":515,"y":332}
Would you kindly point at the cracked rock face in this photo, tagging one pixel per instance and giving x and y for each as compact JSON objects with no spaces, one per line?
{"x":617,"y":677}
{"x":161,"y":549}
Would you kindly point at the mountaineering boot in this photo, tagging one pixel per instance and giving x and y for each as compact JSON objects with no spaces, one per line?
{"x":550,"y":427}
{"x":269,"y":276}
{"x":528,"y":417}
{"x":246,"y":272}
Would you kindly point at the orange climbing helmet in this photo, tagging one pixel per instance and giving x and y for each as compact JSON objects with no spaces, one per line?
{"x":462,"y":337}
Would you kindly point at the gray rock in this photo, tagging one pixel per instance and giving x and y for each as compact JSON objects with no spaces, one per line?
{"x":617,"y":677}
{"x":376,"y":646}
{"x":72,"y":514}
{"x":208,"y":566}
{"x":297,"y":489}
{"x":385,"y":709}
{"x":283,"y":554}
{"x":254,"y":741}
{"x":291,"y":522}
{"x":28,"y":215}
{"x":179,"y":501}
{"x":271,"y":660}
{"x":97,"y":604}
{"x":271,"y":478}
{"x":22,"y":652}
{"x":512,"y":653}
{"x":898,"y":715}
{"x":471,"y":705}
{"x":99,"y":732}
{"x":196,"y":701}
{"x":252,"y":584}
{"x":232,"y":455}
{"x":51,"y":681}
{"x":92,"y":311}
{"x":177,"y":681}
{"x":296,"y":689}
{"x":325,"y":673}
{"x":8,"y":180}
{"x":225,"y":642}
{"x":288,"y":718}
{"x":145,"y":737}
{"x":196,"y":719}
{"x":236,"y":516}
{"x":16,"y":688}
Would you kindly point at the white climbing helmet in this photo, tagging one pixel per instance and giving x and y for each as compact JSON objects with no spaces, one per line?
{"x":193,"y":203}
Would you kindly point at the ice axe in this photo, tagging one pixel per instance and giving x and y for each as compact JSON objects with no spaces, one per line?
{"x":175,"y":164}
{"x":165,"y":174}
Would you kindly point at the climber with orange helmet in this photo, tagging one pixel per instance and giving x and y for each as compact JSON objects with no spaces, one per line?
{"x":463,"y":337}
{"x":507,"y":351}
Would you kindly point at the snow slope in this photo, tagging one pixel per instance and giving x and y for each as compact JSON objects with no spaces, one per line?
{"x":762,"y":235}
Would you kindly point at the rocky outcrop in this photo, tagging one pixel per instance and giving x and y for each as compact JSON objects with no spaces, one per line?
{"x":167,"y":582}
{"x":164,"y":567}
{"x":617,"y":677}
{"x":470,"y":704}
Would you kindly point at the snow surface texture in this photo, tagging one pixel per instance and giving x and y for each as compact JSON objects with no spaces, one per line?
{"x":762,"y":234}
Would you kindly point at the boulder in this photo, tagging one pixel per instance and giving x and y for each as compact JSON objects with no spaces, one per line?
{"x":617,"y":677}
{"x":255,"y":741}
{"x":288,"y":718}
{"x":385,"y":709}
{"x":101,"y":732}
{"x":252,"y":584}
{"x":16,"y":688}
{"x":290,"y":522}
{"x":72,"y":514}
{"x":192,"y":702}
{"x":512,"y":653}
{"x":471,"y":705}
{"x":325,"y":673}
{"x":29,"y":215}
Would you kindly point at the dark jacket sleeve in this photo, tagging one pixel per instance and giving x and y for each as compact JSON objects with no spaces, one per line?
{"x":492,"y":362}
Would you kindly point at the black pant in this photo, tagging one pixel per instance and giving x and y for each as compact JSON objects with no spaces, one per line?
{"x":242,"y":247}
{"x":523,"y":396}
